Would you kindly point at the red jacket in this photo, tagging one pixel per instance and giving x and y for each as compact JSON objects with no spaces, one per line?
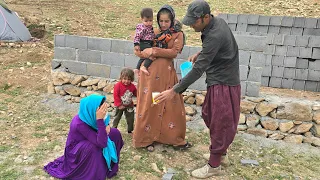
{"x":123,"y":94}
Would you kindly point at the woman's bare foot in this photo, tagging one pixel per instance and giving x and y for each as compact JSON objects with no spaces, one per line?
{"x":144,"y":70}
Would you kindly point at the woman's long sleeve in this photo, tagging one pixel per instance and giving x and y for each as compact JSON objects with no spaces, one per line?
{"x":98,"y":138}
{"x":172,"y":52}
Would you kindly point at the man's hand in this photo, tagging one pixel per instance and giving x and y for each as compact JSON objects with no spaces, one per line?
{"x":147,"y":52}
{"x":165,"y":96}
{"x":137,"y":48}
{"x":193,"y":58}
{"x":101,"y":111}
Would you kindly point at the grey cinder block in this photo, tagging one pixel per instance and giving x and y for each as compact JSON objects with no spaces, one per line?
{"x":277,"y":71}
{"x":59,"y":40}
{"x":250,"y":42}
{"x":281,"y":50}
{"x":64,"y":53}
{"x":314,"y":75}
{"x":200,"y":84}
{"x":290,"y":40}
{"x":311,"y":32}
{"x":302,"y":63}
{"x":184,"y":53}
{"x":193,"y":50}
{"x":299,"y":22}
{"x":287,"y":83}
{"x":297,"y":31}
{"x":290,"y":61}
{"x":315,"y":53}
{"x":270,"y":38}
{"x":314,"y":41}
{"x":287,"y":21}
{"x":274,"y":30}
{"x":293,"y":51}
{"x":99,"y":70}
{"x":179,"y":62}
{"x":311,"y":86}
{"x":242,"y":27}
{"x":243,"y":18}
{"x":263,"y":29}
{"x":131,"y":61}
{"x":115,"y":72}
{"x":314,"y":65}
{"x":243,"y":72}
{"x":289,"y":73}
{"x":255,"y":74}
{"x":267,"y":70}
{"x":252,"y":28}
{"x":277,"y":60}
{"x":270,"y":49}
{"x":55,"y":63}
{"x":121,"y":46}
{"x":275,"y":82}
{"x":278,"y":39}
{"x":223,"y":16}
{"x":305,"y":52}
{"x":275,"y":20}
{"x":244,"y":57}
{"x":232,"y":26}
{"x":318,"y":24}
{"x":264,"y":20}
{"x":299,"y":84}
{"x":310,"y":23}
{"x":253,"y":89}
{"x":253,"y":19}
{"x":302,"y":41}
{"x":265,"y":81}
{"x":243,"y":85}
{"x":75,"y":67}
{"x":89,"y":56}
{"x":113,"y":59}
{"x":302,"y":74}
{"x":78,"y":42}
{"x":100,"y":44}
{"x":257,"y":59}
{"x":268,"y":59}
{"x":285,"y":30}
{"x":233,"y":18}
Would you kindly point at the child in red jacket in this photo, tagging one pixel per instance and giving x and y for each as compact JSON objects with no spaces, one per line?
{"x":123,"y":92}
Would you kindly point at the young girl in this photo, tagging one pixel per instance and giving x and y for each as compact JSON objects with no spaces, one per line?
{"x":123,"y":92}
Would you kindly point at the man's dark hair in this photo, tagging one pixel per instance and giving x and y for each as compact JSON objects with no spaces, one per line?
{"x":146,"y":13}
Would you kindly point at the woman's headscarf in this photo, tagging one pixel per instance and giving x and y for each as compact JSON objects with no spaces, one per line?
{"x":87,"y":113}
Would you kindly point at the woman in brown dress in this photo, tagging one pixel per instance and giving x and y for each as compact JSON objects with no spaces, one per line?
{"x":164,"y":123}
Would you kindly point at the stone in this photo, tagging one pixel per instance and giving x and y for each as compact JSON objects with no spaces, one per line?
{"x":18,"y":159}
{"x":242,"y":127}
{"x":316,"y":107}
{"x":297,"y":122}
{"x":59,"y":78}
{"x":67,"y":97}
{"x":88,"y":93}
{"x":285,"y":126}
{"x":265,"y":108}
{"x":255,"y":99}
{"x":76,"y":99}
{"x":316,"y":130}
{"x":199,"y":99}
{"x":72,"y":90}
{"x":315,"y":141}
{"x":204,"y":93}
{"x":308,"y":134}
{"x":109,"y":99}
{"x":108,"y":88}
{"x":269,"y":123}
{"x":137,"y":157}
{"x":242,"y":119}
{"x":190,"y":111}
{"x":297,"y":139}
{"x":307,"y":140}
{"x":295,"y":111}
{"x":276,"y":136}
{"x":252,"y":120}
{"x":102,"y":83}
{"x":77,"y":79}
{"x":155,"y":167}
{"x":94,"y":87}
{"x":89,"y":88}
{"x":190,"y":100}
{"x":90,"y":82}
{"x":247,"y":107}
{"x":257,"y":132}
{"x":273,"y":114}
{"x":50,"y":88}
{"x":316,"y":116}
{"x":302,"y":128}
{"x":188,"y":118}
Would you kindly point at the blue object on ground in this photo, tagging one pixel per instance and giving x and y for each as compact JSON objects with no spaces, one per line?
{"x":185,"y":68}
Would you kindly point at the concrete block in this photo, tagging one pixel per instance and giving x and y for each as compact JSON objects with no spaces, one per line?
{"x":277,"y":60}
{"x":299,"y":84}
{"x":285,"y":30}
{"x":113,"y":59}
{"x":131,"y":61}
{"x":281,"y":50}
{"x":311,"y":32}
{"x":242,"y":27}
{"x":89,"y":56}
{"x":100,"y":44}
{"x":270,"y":38}
{"x":99,"y":70}
{"x":264,"y":20}
{"x":314,"y":65}
{"x":315,"y":53}
{"x":305,"y":52}
{"x":293,"y":51}
{"x":250,"y":42}
{"x":313,"y":75}
{"x":318,"y":89}
{"x":297,"y":31}
{"x":299,"y":22}
{"x":289,"y":73}
{"x":278,"y":39}
{"x":265,"y":81}
{"x":311,"y":86}
{"x":275,"y":20}
{"x":318,"y":24}
{"x":263,"y":29}
{"x":232,"y":26}
{"x":302,"y":41}
{"x":243,"y":72}
{"x":257,"y":59}
{"x":253,"y":19}
{"x":253,"y":89}
{"x":290,"y":40}
{"x":178,"y":63}
{"x":268,"y":59}
{"x":223,"y":16}
{"x":290,"y":62}
{"x":274,"y":30}
{"x":314,"y":41}
{"x":64,"y":53}
{"x":55,"y":63}
{"x":287,"y":83}
{"x":277,"y":71}
{"x":184,"y":53}
{"x":302,"y":74}
{"x":252,"y":28}
{"x":302,"y":63}
{"x":243,"y":85}
{"x":310,"y":23}
{"x":75,"y":67}
{"x":78,"y":42}
{"x":244,"y":57}
{"x":267,"y":70}
{"x":115,"y":72}
{"x":59,"y":40}
{"x":200,"y":84}
{"x":287,"y":21}
{"x":233,"y":18}
{"x":121,"y":46}
{"x":243,"y":18}
{"x":275,"y":82}
{"x":255,"y":74}
{"x":193,"y":50}
{"x":270,"y":49}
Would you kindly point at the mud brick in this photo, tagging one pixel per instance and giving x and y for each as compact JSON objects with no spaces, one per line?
{"x":299,"y":84}
{"x":281,"y":50}
{"x":287,"y":21}
{"x":263,"y":29}
{"x":290,"y":40}
{"x":253,"y":19}
{"x":285,"y":30}
{"x":269,"y":49}
{"x":297,"y":31}
{"x":278,"y":39}
{"x":264,"y":20}
{"x":275,"y":20}
{"x":290,"y":61}
{"x":315,"y":53}
{"x":293,"y":51}
{"x":311,"y":86}
{"x":289,"y":73}
{"x":275,"y":82}
{"x":302,"y":41}
{"x":302,"y":74}
{"x":265,"y":81}
{"x":314,"y":75}
{"x":277,"y":71}
{"x":277,"y":60}
{"x":242,"y":27}
{"x":233,"y":18}
{"x":310,"y":23}
{"x":302,"y":63}
{"x":267,"y":70}
{"x":287,"y":83}
{"x":305,"y":52}
{"x":314,"y":41}
{"x":299,"y":22}
{"x":274,"y":29}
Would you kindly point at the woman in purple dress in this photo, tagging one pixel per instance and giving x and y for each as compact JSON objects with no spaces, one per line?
{"x":93,"y":148}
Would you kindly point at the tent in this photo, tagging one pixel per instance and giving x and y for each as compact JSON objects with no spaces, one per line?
{"x":11,"y":27}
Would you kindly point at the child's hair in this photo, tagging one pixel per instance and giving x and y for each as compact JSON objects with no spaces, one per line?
{"x":127,"y":72}
{"x":146,"y":13}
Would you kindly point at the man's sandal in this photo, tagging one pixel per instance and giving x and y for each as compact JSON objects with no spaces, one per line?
{"x":183,"y":147}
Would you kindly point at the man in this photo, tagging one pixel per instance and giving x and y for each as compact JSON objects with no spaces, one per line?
{"x":219,"y":58}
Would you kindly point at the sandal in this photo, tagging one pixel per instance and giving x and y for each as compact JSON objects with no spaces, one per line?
{"x":150,"y":147}
{"x":183,"y":147}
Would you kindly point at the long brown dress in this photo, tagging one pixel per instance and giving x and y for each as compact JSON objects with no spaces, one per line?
{"x":166,"y":122}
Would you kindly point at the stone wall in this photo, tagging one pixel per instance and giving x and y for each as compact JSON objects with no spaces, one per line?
{"x":294,"y":121}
